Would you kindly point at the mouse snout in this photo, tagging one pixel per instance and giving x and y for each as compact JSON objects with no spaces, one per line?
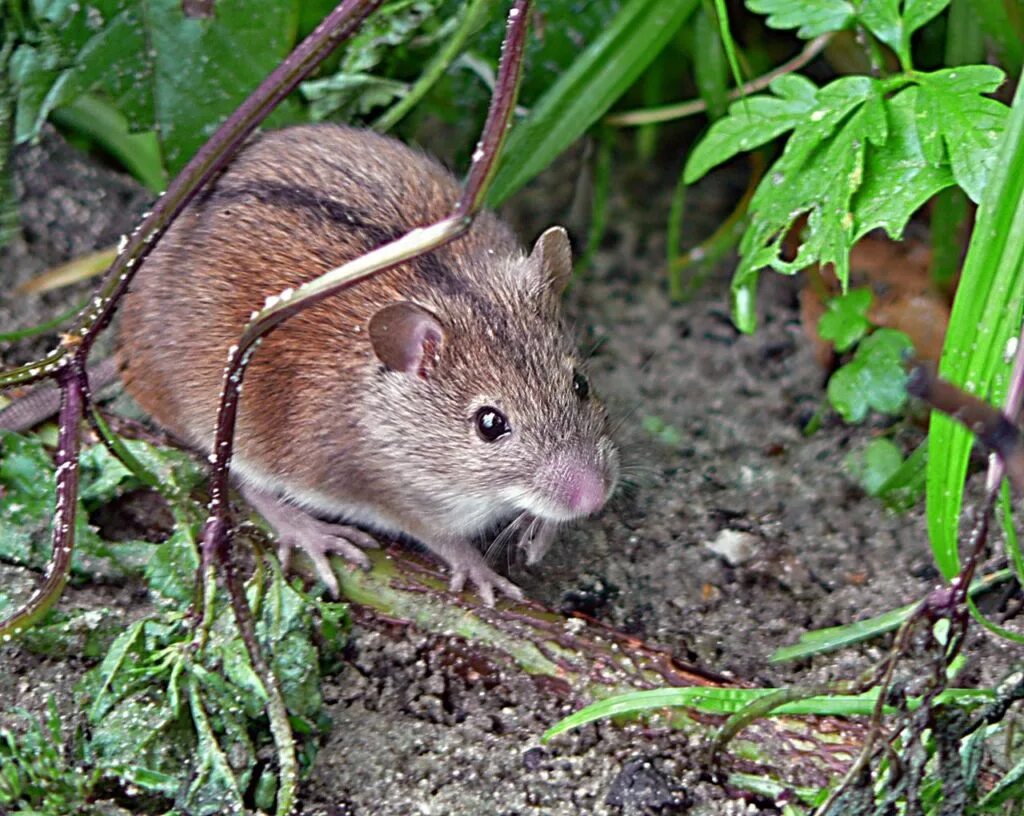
{"x":585,"y":491}
{"x":577,"y":487}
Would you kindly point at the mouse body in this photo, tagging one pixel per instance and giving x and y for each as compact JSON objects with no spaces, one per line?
{"x":435,"y":400}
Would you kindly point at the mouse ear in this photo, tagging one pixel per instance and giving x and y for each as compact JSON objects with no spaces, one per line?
{"x":552,"y":256}
{"x":406,"y":337}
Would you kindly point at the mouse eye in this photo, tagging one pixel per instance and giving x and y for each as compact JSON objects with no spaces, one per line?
{"x":580,"y":385}
{"x":491,"y":424}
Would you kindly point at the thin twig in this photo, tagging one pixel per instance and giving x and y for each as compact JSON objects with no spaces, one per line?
{"x":680,"y":110}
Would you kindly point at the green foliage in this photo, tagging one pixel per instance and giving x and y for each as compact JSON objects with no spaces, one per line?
{"x":363,"y":81}
{"x":28,"y":479}
{"x":874,"y":466}
{"x":162,"y":70}
{"x":37,"y":774}
{"x":586,"y":90}
{"x":663,"y":432}
{"x":728,"y":701}
{"x":175,"y":713}
{"x":874,"y":379}
{"x":188,"y":724}
{"x":986,"y":316}
{"x":864,"y":152}
{"x":845,"y":320}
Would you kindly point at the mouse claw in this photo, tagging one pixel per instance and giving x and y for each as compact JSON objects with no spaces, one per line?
{"x":319,"y":539}
{"x":486,"y":581}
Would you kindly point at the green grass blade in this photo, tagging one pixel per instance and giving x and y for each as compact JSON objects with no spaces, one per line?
{"x":729,"y":701}
{"x":605,"y":69}
{"x":820,"y":641}
{"x":986,"y":315}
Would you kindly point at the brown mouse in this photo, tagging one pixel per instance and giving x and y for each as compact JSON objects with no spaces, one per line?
{"x":436,"y":400}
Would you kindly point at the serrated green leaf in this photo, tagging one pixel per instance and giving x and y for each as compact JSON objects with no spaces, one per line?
{"x":171,"y":571}
{"x":882,"y":18}
{"x":971,"y":125}
{"x":817,"y":175}
{"x":898,"y":178}
{"x":845,"y":320}
{"x":813,"y":17}
{"x":874,"y":379}
{"x":752,"y":122}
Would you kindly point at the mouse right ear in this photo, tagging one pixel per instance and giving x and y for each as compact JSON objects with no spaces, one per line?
{"x":552,"y":255}
{"x":406,"y":337}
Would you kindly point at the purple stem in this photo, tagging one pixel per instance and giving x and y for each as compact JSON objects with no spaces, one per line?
{"x":72,"y":408}
{"x":1011,"y":408}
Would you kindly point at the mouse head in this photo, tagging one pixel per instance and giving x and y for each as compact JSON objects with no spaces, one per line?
{"x":506,"y":423}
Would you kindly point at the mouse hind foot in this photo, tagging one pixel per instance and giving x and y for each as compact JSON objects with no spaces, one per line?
{"x":298,"y":529}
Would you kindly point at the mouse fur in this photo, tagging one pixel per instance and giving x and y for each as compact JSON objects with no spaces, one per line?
{"x":364,"y":408}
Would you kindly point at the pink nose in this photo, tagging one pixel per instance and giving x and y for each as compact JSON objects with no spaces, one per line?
{"x":584,"y":491}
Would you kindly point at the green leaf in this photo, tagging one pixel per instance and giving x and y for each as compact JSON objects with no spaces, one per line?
{"x":204,"y":68}
{"x":818,"y":175}
{"x":845,"y":320}
{"x":882,"y":18}
{"x":898,"y":178}
{"x":971,"y":126}
{"x":752,"y":122}
{"x":359,"y":86}
{"x":874,"y":466}
{"x":162,"y":70}
{"x":905,"y":487}
{"x":986,"y":315}
{"x":598,"y":77}
{"x":171,"y":571}
{"x":874,"y":379}
{"x":727,"y":701}
{"x":813,"y":17}
{"x":917,"y":13}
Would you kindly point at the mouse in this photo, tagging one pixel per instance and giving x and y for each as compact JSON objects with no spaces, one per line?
{"x":441,"y":401}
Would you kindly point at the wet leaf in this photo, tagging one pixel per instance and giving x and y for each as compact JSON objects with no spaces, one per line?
{"x":813,"y":18}
{"x":874,"y":380}
{"x":950,"y":105}
{"x":845,"y":320}
{"x":874,"y":466}
{"x":163,"y":70}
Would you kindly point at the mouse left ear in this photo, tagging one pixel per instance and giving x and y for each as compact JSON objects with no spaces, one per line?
{"x":552,"y":256}
{"x":406,"y":337}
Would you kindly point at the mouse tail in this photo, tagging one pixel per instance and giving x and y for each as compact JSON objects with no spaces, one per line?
{"x":43,"y":401}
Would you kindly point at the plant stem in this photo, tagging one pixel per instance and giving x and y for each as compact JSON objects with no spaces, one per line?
{"x":680,"y":110}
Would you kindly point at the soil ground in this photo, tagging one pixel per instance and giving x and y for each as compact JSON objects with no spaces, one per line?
{"x":814,"y":551}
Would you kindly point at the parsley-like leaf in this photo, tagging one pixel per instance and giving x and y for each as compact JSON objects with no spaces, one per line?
{"x":813,"y":17}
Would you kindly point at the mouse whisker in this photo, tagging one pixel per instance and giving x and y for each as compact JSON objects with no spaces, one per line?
{"x":502,"y":540}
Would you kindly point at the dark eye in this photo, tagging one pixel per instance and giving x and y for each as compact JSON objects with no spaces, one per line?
{"x":580,"y":385}
{"x":491,"y":424}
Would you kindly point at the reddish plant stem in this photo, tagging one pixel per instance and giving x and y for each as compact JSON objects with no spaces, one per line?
{"x":73,"y":398}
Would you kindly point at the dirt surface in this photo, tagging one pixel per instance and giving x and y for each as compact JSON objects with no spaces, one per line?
{"x":806,"y":548}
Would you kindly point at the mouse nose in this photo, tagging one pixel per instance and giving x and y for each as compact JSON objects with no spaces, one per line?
{"x":585,"y":491}
{"x":578,"y":486}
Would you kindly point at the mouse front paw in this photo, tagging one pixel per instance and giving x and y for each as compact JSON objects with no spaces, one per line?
{"x":481,"y":576}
